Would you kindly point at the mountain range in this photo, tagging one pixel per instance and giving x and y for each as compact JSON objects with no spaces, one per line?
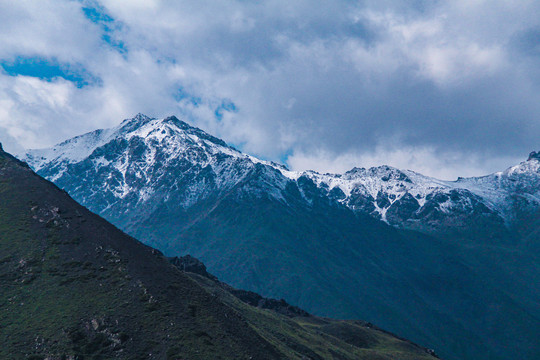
{"x":76,"y":287}
{"x":452,"y":264}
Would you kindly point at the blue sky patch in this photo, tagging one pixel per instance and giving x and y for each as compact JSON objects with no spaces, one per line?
{"x":47,"y":69}
{"x":226,"y":105}
{"x":97,"y":14}
{"x":182,"y":94}
{"x":284,"y":158}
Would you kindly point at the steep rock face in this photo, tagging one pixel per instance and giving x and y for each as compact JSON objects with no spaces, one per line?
{"x":317,"y":239}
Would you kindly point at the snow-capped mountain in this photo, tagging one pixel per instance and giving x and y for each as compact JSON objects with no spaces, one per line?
{"x":317,"y":240}
{"x":144,"y":162}
{"x":404,"y":198}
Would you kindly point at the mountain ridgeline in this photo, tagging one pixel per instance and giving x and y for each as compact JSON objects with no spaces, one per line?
{"x":449,"y":264}
{"x":76,"y":287}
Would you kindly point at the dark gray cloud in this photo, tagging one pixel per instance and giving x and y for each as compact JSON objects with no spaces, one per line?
{"x":449,"y":88}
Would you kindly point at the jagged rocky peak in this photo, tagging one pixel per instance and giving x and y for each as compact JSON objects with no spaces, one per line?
{"x":356,"y":170}
{"x":140,"y":117}
{"x":383,"y":172}
{"x":80,"y":147}
{"x":535,"y":155}
{"x":140,"y":120}
{"x":191,"y":264}
{"x":135,"y":122}
{"x":177,"y":122}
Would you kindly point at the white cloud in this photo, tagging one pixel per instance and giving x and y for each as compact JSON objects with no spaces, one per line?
{"x":47,"y":28}
{"x":338,"y":78}
{"x":445,"y":166}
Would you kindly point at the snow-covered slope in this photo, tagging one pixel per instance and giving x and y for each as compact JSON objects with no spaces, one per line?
{"x":175,"y":135}
{"x":404,"y":198}
{"x":144,"y":162}
{"x":145,"y":159}
{"x":391,"y":185}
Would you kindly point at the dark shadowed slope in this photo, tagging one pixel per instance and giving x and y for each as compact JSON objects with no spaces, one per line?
{"x":74,"y":286}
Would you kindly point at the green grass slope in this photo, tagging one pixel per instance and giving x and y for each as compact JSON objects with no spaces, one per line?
{"x":75,"y":287}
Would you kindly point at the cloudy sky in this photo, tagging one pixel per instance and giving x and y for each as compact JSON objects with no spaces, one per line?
{"x":447,"y":88}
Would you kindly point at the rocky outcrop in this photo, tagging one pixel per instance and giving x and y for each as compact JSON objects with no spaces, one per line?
{"x":190,"y":264}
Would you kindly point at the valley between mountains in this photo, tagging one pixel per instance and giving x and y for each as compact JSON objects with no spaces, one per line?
{"x":451,"y":265}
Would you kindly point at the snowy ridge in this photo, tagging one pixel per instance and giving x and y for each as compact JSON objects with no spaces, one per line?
{"x":145,"y":159}
{"x":70,"y":151}
{"x":394,"y":184}
{"x":373,"y":182}
{"x":522,"y":180}
{"x":150,"y":160}
{"x":164,"y":132}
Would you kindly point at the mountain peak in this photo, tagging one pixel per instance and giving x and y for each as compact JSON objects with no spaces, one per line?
{"x":135,"y":122}
{"x":140,"y":116}
{"x":535,"y":155}
{"x":173,"y":120}
{"x":141,"y":119}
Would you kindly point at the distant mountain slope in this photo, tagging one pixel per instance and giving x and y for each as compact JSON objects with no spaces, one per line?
{"x":317,"y":239}
{"x":488,"y":205}
{"x":75,"y":287}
